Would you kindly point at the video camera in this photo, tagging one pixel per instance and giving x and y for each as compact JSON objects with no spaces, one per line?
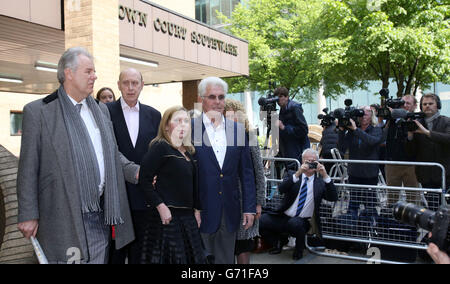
{"x":406,"y":119}
{"x":327,"y":119}
{"x":387,"y":103}
{"x":435,"y":222}
{"x":269,"y":103}
{"x":344,"y":115}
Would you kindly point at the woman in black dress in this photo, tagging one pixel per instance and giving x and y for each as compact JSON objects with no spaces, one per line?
{"x":168,"y":176}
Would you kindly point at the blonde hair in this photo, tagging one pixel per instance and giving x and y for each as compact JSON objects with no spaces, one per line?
{"x":163,"y":136}
{"x":236,"y":106}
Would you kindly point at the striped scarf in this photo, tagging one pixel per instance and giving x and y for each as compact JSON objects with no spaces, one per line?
{"x":85,"y":159}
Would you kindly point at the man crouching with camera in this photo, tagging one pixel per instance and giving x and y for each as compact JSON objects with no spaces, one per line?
{"x":303,"y":192}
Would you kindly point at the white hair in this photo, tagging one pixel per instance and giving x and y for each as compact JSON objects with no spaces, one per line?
{"x":211,"y":81}
{"x":69,"y":59}
{"x":310,"y":151}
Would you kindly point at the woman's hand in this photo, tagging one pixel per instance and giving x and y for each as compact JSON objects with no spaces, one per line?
{"x":164,"y":213}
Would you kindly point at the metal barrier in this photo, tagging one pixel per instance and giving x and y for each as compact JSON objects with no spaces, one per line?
{"x":364,"y":213}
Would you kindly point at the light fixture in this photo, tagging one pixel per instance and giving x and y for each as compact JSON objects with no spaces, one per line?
{"x":139,"y":61}
{"x":11,"y":80}
{"x":46,"y":66}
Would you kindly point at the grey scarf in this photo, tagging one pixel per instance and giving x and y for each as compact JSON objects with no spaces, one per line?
{"x":85,"y":159}
{"x":430,"y":120}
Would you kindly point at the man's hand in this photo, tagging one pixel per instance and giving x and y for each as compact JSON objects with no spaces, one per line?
{"x":258,"y":211}
{"x":353,"y":125}
{"x":28,"y":228}
{"x":422,"y":129}
{"x":303,"y":168}
{"x":321,"y":170}
{"x":248,"y":220}
{"x":280,"y":125}
{"x":437,"y":255}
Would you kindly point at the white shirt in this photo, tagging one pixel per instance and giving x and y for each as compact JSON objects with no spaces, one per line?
{"x":218,"y":138}
{"x":131,"y":115}
{"x":308,"y":207}
{"x":96,"y":138}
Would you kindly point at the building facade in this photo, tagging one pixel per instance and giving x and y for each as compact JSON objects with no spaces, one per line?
{"x":161,"y":38}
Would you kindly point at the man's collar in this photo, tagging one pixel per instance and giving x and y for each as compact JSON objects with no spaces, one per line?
{"x":124,"y":105}
{"x":207,"y":121}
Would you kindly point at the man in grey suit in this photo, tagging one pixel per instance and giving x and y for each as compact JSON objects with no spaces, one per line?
{"x":70,"y":182}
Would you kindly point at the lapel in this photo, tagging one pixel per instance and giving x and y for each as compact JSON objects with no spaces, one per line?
{"x":121,"y":129}
{"x":230,"y":134}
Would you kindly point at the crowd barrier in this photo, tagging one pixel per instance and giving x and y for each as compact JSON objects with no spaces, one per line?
{"x":363,"y":214}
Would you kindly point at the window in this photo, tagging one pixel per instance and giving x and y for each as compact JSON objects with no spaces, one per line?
{"x":16,"y":123}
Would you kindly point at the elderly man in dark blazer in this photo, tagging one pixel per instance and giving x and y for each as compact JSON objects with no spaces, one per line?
{"x":223,"y":158}
{"x":70,"y":182}
{"x":303,"y":192}
{"x":135,"y":125}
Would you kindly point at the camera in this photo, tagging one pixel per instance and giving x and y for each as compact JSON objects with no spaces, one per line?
{"x":405,"y":120}
{"x":269,"y":103}
{"x":327,"y":119}
{"x":435,"y":222}
{"x":313,"y":165}
{"x":344,"y":115}
{"x":387,"y":103}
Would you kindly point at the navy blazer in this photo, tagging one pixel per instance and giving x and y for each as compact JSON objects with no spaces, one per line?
{"x":290,"y":190}
{"x":149,"y":119}
{"x":219,"y":188}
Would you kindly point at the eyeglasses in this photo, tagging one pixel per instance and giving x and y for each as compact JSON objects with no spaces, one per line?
{"x":213,"y":97}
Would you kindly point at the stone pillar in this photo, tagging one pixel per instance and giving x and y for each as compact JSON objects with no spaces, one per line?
{"x":190,"y":94}
{"x":95,"y":26}
{"x":14,"y":248}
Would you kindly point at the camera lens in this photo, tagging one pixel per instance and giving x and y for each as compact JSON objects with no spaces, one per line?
{"x":414,"y":215}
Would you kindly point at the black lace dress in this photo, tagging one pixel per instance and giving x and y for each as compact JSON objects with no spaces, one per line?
{"x":179,"y":242}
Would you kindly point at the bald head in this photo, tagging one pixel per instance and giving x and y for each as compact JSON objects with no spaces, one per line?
{"x":130,"y":85}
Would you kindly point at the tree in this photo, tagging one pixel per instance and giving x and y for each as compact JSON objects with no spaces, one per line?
{"x":404,"y":40}
{"x":280,"y":44}
{"x":343,"y":44}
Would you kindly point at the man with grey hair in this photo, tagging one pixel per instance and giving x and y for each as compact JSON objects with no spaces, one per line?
{"x":223,"y":158}
{"x":303,"y":192}
{"x":70,"y":181}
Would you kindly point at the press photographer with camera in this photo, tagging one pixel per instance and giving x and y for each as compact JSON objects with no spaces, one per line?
{"x":396,"y":135}
{"x":292,"y":126}
{"x":363,"y":143}
{"x":329,"y":138}
{"x":431,"y":143}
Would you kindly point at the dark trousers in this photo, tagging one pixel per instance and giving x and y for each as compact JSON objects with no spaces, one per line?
{"x":273,"y":227}
{"x":132,"y":251}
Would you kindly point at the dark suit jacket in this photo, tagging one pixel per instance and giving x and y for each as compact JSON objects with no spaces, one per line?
{"x":219,"y":188}
{"x":149,"y":119}
{"x":290,"y":190}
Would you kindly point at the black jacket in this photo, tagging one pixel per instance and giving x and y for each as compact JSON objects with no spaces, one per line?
{"x":149,"y":119}
{"x":290,"y":190}
{"x":362,"y":145}
{"x":294,"y":138}
{"x":432,"y":149}
{"x":330,"y":139}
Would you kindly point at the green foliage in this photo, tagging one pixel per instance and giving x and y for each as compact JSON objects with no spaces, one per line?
{"x":343,"y":44}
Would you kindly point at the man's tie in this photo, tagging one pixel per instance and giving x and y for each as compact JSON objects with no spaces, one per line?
{"x":302,"y":198}
{"x":79,"y":107}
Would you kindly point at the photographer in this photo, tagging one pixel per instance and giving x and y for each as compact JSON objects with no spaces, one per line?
{"x":364,"y":144}
{"x":431,"y":143}
{"x":292,"y":124}
{"x":396,"y":135}
{"x":328,"y":141}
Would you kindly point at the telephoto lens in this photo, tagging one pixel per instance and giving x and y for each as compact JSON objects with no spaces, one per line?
{"x":414,"y":215}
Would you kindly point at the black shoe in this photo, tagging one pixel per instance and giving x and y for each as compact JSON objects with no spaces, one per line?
{"x":297,"y":255}
{"x":277,"y":248}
